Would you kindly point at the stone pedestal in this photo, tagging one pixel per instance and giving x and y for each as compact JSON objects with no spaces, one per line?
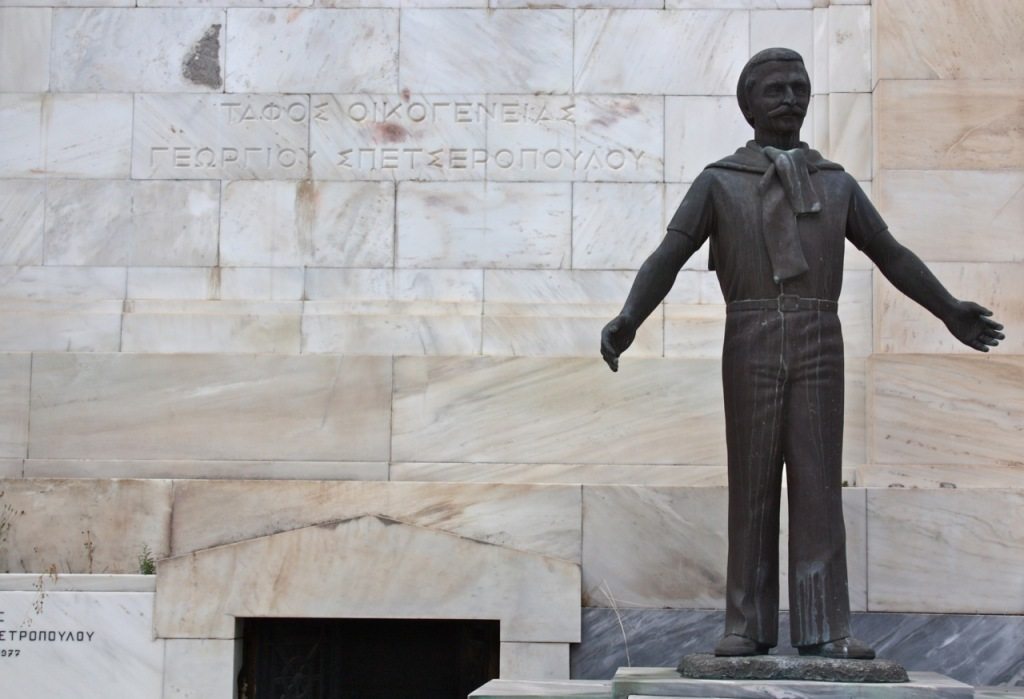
{"x":644,"y":682}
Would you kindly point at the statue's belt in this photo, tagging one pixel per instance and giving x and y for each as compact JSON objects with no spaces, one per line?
{"x":783,"y":303}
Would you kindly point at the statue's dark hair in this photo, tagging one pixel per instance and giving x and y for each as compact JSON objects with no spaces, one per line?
{"x":765,"y":56}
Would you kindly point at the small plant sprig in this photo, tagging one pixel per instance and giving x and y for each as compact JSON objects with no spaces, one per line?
{"x":147,"y":566}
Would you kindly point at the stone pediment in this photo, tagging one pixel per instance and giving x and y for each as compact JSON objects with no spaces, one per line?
{"x":369,"y":566}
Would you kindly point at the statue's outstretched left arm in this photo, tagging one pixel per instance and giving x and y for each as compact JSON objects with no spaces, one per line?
{"x":969,"y":322}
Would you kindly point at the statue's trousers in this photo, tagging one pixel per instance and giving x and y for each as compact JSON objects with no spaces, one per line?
{"x":782,"y":374}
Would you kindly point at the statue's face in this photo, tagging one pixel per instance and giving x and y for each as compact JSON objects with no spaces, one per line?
{"x":778,"y":96}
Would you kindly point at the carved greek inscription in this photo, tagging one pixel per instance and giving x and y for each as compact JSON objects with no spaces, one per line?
{"x":14,"y":640}
{"x":373,"y":137}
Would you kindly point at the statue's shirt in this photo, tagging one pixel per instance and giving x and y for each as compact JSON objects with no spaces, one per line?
{"x":724,"y":203}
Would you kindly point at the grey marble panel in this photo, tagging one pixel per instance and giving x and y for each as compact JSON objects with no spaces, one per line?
{"x":975,"y":649}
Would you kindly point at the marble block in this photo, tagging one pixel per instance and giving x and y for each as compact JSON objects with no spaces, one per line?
{"x":956,"y":124}
{"x":849,"y":48}
{"x":269,"y":327}
{"x":60,"y":326}
{"x":386,"y":568}
{"x":935,"y":409}
{"x":946,"y":550}
{"x":646,"y":682}
{"x":627,"y":51}
{"x":849,"y":132}
{"x":534,"y":661}
{"x":80,"y":645}
{"x":941,"y":476}
{"x":21,"y":222}
{"x":227,"y":136}
{"x":905,"y":327}
{"x":14,"y":405}
{"x":87,"y":135}
{"x":495,"y":412}
{"x":62,"y":283}
{"x":619,"y":138}
{"x":588,"y":474}
{"x":541,"y":519}
{"x":550,"y":689}
{"x":698,"y":131}
{"x":25,"y":49}
{"x":955,"y":215}
{"x":261,"y":470}
{"x":175,"y":223}
{"x":792,"y":30}
{"x":200,"y":668}
{"x":87,"y":223}
{"x":486,"y":51}
{"x":210,"y":407}
{"x":275,"y":223}
{"x":479,"y":224}
{"x":949,"y":40}
{"x":311,"y":50}
{"x":80,"y":525}
{"x":615,"y":226}
{"x":22,"y":134}
{"x":391,"y":328}
{"x":403,"y":285}
{"x":137,"y":50}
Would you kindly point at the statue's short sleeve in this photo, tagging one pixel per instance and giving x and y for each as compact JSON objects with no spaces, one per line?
{"x":863,"y":222}
{"x":696,"y":214}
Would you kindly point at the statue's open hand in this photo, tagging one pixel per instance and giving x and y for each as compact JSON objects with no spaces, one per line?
{"x":616,"y":338}
{"x":972,"y":325}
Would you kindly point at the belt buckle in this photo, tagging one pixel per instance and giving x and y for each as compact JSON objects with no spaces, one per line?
{"x":788,"y":302}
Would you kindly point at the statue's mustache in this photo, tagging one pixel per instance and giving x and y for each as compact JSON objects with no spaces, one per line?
{"x":786,"y":110}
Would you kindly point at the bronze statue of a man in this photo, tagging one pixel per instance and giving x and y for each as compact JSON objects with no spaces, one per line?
{"x":777,"y":214}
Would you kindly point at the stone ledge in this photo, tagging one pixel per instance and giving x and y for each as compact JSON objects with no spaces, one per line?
{"x":790,"y":667}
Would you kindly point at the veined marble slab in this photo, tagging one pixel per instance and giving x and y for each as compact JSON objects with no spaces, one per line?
{"x":694,"y":331}
{"x":87,"y":223}
{"x":974,"y":649}
{"x":543,"y":689}
{"x":210,"y":407}
{"x":25,"y":49}
{"x":22,"y":134}
{"x":619,"y":51}
{"x":492,"y":51}
{"x":440,"y":285}
{"x":211,"y":283}
{"x":77,"y":582}
{"x":175,"y":223}
{"x":398,"y":329}
{"x":60,"y":326}
{"x":849,"y":132}
{"x":137,"y":50}
{"x":66,"y":283}
{"x":849,"y":48}
{"x":955,"y":215}
{"x":615,"y":226}
{"x":941,"y":476}
{"x":588,"y":474}
{"x":270,"y":327}
{"x":699,"y":131}
{"x":312,"y":50}
{"x":943,"y":40}
{"x":85,"y":526}
{"x":746,"y":4}
{"x":933,"y":409}
{"x":228,"y":136}
{"x":540,"y":330}
{"x":793,"y":29}
{"x":21,"y":222}
{"x":14,"y":405}
{"x":344,"y":224}
{"x":905,"y":327}
{"x":946,"y":550}
{"x":387,"y":569}
{"x":87,"y":135}
{"x":480,"y":224}
{"x":88,"y":645}
{"x":978,"y":128}
{"x":629,"y":561}
{"x":262,"y":470}
{"x":200,"y":668}
{"x":491,"y":410}
{"x":542,"y":519}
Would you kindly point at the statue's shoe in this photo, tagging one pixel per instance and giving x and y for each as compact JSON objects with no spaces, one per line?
{"x":849,"y":648}
{"x":733,"y":646}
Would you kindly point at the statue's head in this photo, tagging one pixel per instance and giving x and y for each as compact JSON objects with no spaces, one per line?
{"x":774,"y":90}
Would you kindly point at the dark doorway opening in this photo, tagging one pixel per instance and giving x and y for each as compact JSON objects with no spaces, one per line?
{"x":366,"y":658}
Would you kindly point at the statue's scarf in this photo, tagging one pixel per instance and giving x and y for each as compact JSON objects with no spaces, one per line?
{"x":786,"y":193}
